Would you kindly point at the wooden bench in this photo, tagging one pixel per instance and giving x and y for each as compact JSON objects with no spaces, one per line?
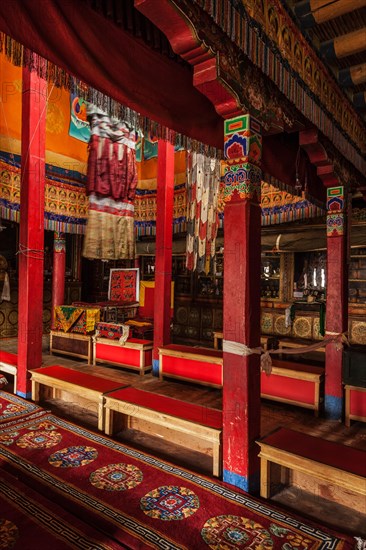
{"x":135,"y":354}
{"x":9,"y":364}
{"x":293,"y":383}
{"x":355,"y":404}
{"x":322,"y":459}
{"x":196,"y":421}
{"x":84,"y":385}
{"x":199,"y":365}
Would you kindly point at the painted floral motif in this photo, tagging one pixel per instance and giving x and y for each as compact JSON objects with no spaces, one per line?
{"x":8,"y":533}
{"x":12,"y":409}
{"x":116,"y":477}
{"x":73,"y":457}
{"x":8,"y":439}
{"x":227,"y":532}
{"x":39,"y":440}
{"x":170,"y":502}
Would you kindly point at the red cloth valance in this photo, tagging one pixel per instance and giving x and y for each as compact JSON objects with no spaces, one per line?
{"x":93,"y":49}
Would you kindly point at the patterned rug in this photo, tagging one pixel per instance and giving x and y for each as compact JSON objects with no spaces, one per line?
{"x":142,"y":502}
{"x":14,"y":409}
{"x":32,"y":522}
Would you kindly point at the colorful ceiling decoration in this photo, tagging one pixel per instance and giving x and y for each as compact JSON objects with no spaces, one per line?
{"x":267,"y":35}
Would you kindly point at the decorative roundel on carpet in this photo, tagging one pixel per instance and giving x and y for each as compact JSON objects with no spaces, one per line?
{"x":73,"y":457}
{"x":227,"y":532}
{"x":8,"y":533}
{"x":116,"y":477}
{"x":170,"y":502}
{"x":39,"y":440}
{"x":8,"y":439}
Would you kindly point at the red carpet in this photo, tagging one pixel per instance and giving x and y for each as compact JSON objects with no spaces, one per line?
{"x":14,"y":409}
{"x":143,"y":502}
{"x":32,"y":522}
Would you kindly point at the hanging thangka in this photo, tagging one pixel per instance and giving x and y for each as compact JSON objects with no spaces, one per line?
{"x":203,"y":180}
{"x":111,"y":186}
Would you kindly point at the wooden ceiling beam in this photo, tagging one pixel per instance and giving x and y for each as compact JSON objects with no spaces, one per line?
{"x":352,"y":76}
{"x":344,"y":45}
{"x":313,"y":12}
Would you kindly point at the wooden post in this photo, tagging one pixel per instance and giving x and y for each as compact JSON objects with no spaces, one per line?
{"x":31,"y":239}
{"x":163,"y":250}
{"x":337,"y":299}
{"x":58,"y":272}
{"x":242,"y":248}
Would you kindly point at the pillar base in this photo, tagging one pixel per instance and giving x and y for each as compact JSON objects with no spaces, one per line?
{"x":27,"y":395}
{"x":155,"y":367}
{"x":333,"y":407}
{"x":248,"y":484}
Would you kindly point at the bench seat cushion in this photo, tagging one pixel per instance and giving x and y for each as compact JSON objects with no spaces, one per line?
{"x":81,"y":379}
{"x":320,"y":450}
{"x":9,"y":358}
{"x":168,"y":405}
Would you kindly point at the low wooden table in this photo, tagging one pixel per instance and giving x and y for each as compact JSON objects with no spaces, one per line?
{"x":84,"y":385}
{"x":200,"y":423}
{"x":293,"y":383}
{"x":200,"y":365}
{"x":355,"y":404}
{"x":71,"y":343}
{"x":322,"y":459}
{"x":135,"y":354}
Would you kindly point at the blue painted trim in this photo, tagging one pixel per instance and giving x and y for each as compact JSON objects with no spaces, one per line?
{"x":333,"y":407}
{"x":248,"y":484}
{"x":155,"y":367}
{"x":27,"y":395}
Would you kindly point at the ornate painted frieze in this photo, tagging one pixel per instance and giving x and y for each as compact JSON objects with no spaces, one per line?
{"x":335,"y":211}
{"x":243,"y":150}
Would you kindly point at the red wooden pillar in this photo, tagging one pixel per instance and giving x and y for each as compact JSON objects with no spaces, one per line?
{"x":163,"y":251}
{"x":337,"y":298}
{"x":31,"y":238}
{"x":242,"y":248}
{"x":58,"y":272}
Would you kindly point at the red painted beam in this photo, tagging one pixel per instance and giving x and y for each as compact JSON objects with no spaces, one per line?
{"x":31,"y":239}
{"x":164,"y":244}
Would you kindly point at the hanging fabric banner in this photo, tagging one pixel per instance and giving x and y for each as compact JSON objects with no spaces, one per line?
{"x":203,"y":181}
{"x":111,"y":186}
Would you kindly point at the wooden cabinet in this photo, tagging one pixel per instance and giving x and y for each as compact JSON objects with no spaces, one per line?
{"x":357,"y":276}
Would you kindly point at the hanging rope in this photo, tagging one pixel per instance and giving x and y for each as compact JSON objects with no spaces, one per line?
{"x":237,"y":348}
{"x":32,"y":253}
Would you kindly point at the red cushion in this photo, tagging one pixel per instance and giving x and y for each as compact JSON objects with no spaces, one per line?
{"x":168,"y":405}
{"x":10,"y":358}
{"x":81,"y":379}
{"x":320,"y":450}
